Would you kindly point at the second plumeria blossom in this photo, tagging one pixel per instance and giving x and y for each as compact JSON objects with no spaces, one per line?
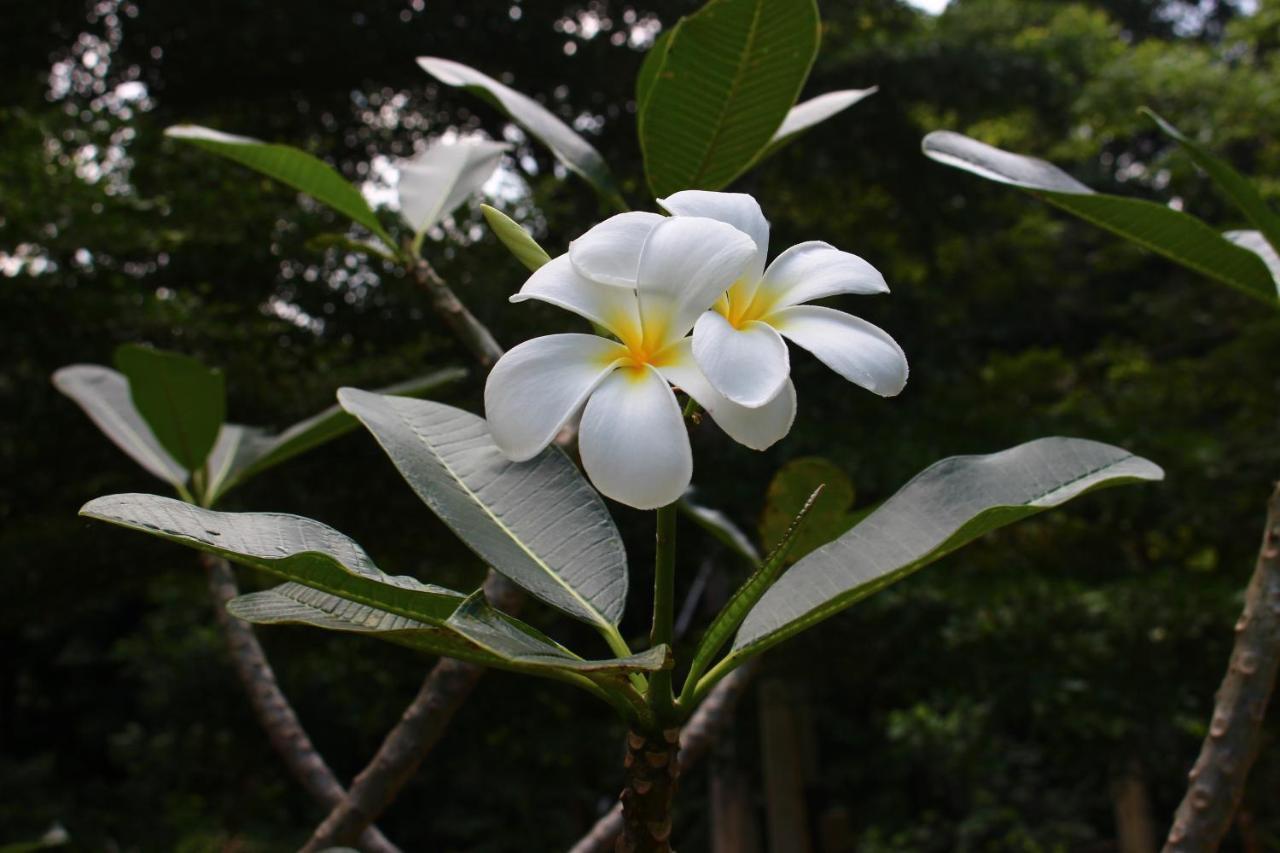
{"x":632,"y":435}
{"x":739,"y":344}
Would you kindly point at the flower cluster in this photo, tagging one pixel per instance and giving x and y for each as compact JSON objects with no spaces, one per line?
{"x":649,"y":280}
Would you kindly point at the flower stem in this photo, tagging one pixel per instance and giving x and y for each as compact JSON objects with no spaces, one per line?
{"x":664,"y":571}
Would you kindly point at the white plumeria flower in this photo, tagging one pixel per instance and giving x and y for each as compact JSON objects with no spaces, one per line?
{"x":739,"y":345}
{"x":632,"y":436}
{"x":434,"y":182}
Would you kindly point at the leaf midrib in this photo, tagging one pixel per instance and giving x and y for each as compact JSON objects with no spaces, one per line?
{"x":537,"y":561}
{"x":733,"y":92}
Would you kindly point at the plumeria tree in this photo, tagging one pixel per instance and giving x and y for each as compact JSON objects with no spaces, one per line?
{"x":688,"y":318}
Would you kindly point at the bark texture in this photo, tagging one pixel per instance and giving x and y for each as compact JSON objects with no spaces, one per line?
{"x":272,"y":707}
{"x":653,"y":771}
{"x":706,"y":724}
{"x":1217,"y":780}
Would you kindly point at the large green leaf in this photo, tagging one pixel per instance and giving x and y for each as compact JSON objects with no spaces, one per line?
{"x":182,"y":401}
{"x":720,"y":87}
{"x":243,"y":452}
{"x":1238,"y":188}
{"x":568,"y":147}
{"x":517,"y":240}
{"x":289,"y":546}
{"x":946,"y":506}
{"x":296,"y":604}
{"x":103,"y":393}
{"x":288,"y":165}
{"x":520,"y":647}
{"x":815,"y":111}
{"x":1176,"y":235}
{"x":537,"y":522}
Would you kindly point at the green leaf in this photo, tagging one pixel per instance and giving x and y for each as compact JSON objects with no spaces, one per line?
{"x":569,"y":148}
{"x":537,"y":522}
{"x":103,"y":394}
{"x":815,"y":111}
{"x":520,"y":647}
{"x":296,"y":604}
{"x":721,"y":527}
{"x":791,"y":490}
{"x":288,"y":546}
{"x":1176,"y":235}
{"x":946,"y":506}
{"x":1238,"y":188}
{"x":1256,"y":243}
{"x":649,"y":69}
{"x":244,"y":452}
{"x":182,"y":401}
{"x":517,"y":240}
{"x":736,"y":609}
{"x":728,"y":76}
{"x":288,"y":165}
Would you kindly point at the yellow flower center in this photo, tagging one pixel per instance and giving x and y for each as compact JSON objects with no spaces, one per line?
{"x":742,"y":304}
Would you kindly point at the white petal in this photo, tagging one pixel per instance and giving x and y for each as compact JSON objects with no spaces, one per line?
{"x":610,"y":252}
{"x":435,"y":182}
{"x":633,"y":440}
{"x":537,"y":387}
{"x":685,"y":265}
{"x":756,"y":428}
{"x":812,"y":270}
{"x":558,"y":283}
{"x":747,"y":365}
{"x":860,"y":352}
{"x":737,"y":209}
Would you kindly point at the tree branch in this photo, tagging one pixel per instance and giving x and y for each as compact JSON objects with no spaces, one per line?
{"x":1218,"y":777}
{"x":464,"y":325}
{"x":272,"y":707}
{"x":421,"y":725}
{"x":698,"y":735}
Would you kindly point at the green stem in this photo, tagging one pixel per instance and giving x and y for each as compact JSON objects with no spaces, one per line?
{"x":664,"y":574}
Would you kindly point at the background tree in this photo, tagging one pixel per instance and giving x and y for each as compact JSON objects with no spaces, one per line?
{"x":987,"y":705}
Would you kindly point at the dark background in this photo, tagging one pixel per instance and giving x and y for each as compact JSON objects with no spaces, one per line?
{"x":988,"y":703}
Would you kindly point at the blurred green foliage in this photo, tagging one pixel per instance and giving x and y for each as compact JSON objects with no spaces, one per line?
{"x":982,"y":705}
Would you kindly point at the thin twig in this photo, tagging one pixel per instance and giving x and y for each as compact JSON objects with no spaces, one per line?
{"x":1218,"y":777}
{"x":702,"y":730}
{"x":272,"y":707}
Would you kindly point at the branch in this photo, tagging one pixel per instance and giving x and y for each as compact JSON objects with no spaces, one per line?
{"x":443,"y":692}
{"x":272,"y":707}
{"x":1227,"y":754}
{"x":702,"y":730}
{"x":474,"y":334}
